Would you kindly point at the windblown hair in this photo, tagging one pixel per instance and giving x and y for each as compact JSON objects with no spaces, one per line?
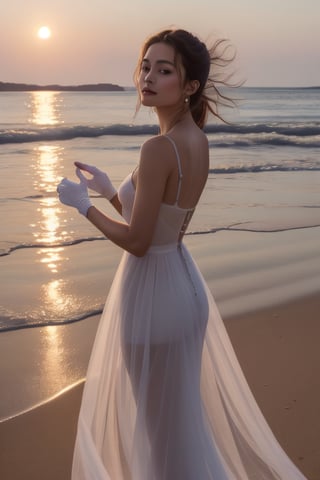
{"x":199,"y":63}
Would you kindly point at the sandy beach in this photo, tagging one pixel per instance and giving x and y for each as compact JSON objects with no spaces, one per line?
{"x":267,"y":289}
{"x":278,"y":350}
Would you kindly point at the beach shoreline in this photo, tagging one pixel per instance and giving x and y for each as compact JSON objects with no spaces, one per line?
{"x":254,"y":238}
{"x":277,"y":349}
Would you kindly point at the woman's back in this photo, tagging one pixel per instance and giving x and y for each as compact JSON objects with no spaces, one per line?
{"x":190,"y":145}
{"x":190,"y":150}
{"x":183,"y":190}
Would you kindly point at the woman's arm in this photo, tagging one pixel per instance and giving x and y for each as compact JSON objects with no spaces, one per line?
{"x":154,"y":170}
{"x":115,"y":202}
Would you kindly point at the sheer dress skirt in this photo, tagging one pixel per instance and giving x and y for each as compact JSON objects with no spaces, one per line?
{"x":165,"y":398}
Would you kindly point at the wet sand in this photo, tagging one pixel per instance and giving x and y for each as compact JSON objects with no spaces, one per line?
{"x":267,"y":288}
{"x":278,"y":350}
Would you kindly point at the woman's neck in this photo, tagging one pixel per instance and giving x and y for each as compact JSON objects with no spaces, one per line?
{"x":168,"y":121}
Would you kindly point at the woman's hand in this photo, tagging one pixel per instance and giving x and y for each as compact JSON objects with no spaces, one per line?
{"x":100,"y":182}
{"x":75,"y":194}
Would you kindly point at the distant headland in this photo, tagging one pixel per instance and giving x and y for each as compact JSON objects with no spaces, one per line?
{"x":24,"y":87}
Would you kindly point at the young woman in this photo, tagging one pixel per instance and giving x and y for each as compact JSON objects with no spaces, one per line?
{"x":165,"y":398}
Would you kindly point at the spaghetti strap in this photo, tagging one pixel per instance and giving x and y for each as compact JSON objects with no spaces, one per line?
{"x":179,"y":167}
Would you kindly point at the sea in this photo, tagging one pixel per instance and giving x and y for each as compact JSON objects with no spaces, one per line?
{"x":264,"y":178}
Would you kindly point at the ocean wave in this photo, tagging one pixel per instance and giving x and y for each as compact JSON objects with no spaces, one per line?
{"x":245,"y":134}
{"x":263,"y":169}
{"x":9,"y":323}
{"x":292,"y":165}
{"x":238,"y":227}
{"x":288,"y":129}
{"x":68,"y":133}
{"x":4,"y":251}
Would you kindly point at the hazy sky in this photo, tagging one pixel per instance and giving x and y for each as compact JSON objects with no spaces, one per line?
{"x":99,"y":40}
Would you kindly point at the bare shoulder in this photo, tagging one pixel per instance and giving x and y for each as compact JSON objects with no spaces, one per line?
{"x":156,"y":145}
{"x":156,"y":153}
{"x":204,"y":138}
{"x":190,"y":135}
{"x":204,"y":142}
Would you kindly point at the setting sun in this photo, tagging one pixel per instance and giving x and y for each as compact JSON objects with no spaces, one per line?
{"x":44,"y":33}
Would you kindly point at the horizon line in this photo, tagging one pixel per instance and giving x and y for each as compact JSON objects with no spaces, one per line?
{"x":103,"y":85}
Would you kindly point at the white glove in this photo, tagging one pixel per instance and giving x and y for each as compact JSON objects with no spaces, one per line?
{"x":100,"y":182}
{"x":75,"y":194}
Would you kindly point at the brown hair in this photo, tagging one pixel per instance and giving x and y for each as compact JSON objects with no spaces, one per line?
{"x":200,"y":63}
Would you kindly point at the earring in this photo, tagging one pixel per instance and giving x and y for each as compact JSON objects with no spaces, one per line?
{"x":186,"y":100}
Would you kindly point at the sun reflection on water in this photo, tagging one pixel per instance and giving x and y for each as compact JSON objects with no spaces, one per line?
{"x":48,"y":230}
{"x":57,"y":303}
{"x":46,"y":108}
{"x":56,"y":299}
{"x":48,"y":227}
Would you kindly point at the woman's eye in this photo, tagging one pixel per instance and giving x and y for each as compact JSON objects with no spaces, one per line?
{"x":162,"y":71}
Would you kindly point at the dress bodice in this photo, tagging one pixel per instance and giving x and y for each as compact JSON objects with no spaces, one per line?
{"x":172,"y":220}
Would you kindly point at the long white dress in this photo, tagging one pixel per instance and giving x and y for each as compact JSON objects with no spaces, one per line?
{"x":165,"y":397}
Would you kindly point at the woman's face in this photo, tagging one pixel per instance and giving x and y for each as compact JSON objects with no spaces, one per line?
{"x":160,"y":83}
